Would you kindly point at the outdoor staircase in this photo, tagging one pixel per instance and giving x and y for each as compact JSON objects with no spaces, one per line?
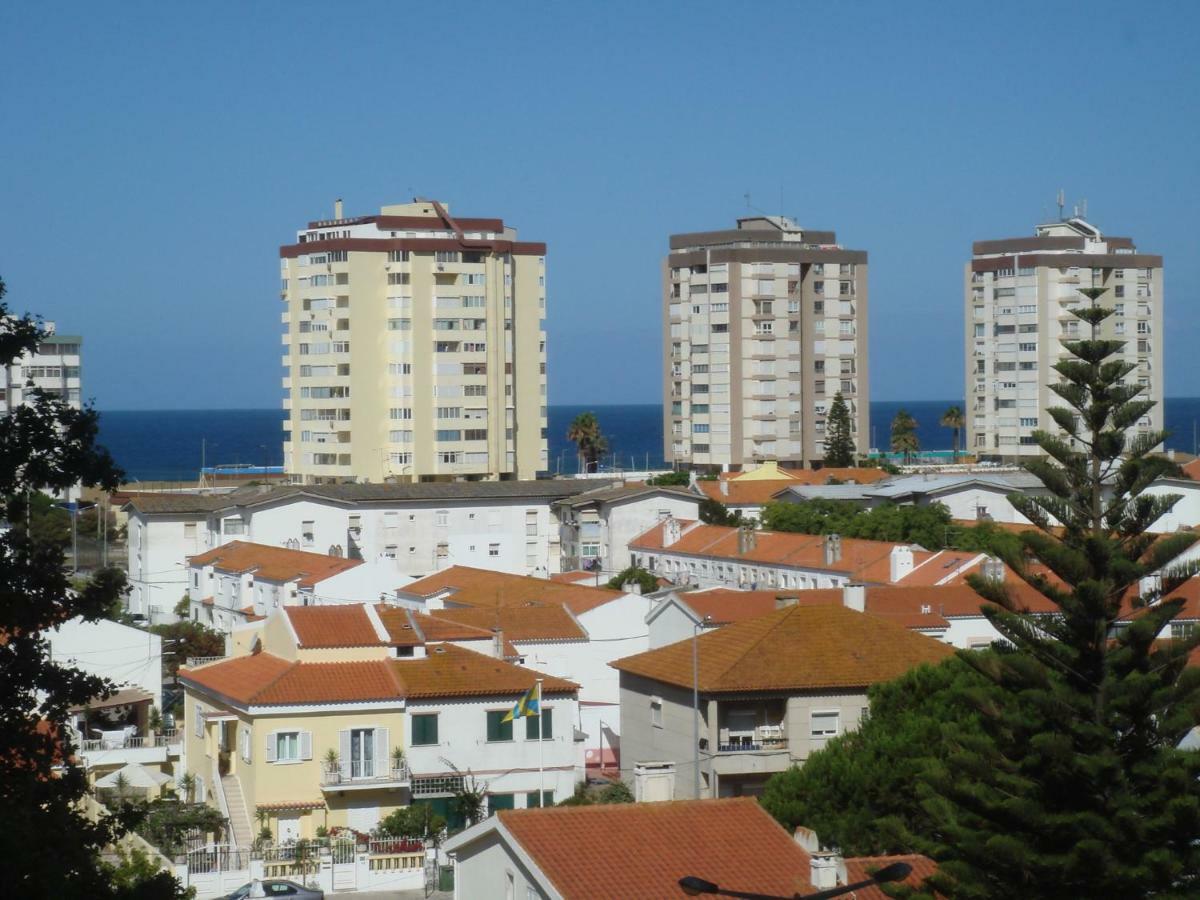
{"x":239,"y":817}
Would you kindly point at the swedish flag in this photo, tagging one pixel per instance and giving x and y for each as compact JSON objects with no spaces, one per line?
{"x":529,"y":705}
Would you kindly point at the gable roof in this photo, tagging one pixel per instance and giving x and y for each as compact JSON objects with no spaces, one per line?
{"x":263,"y":679}
{"x":725,"y":605}
{"x":628,"y":491}
{"x":643,"y":849}
{"x":418,"y":492}
{"x":861,"y":559}
{"x":345,"y":625}
{"x":520,"y":623}
{"x":175,"y":503}
{"x":484,"y":588}
{"x":860,"y":868}
{"x":794,"y":649}
{"x":273,"y":563}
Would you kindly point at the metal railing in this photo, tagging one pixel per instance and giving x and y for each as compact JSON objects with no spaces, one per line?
{"x":392,"y":774}
{"x":130,"y":743}
{"x":193,"y":661}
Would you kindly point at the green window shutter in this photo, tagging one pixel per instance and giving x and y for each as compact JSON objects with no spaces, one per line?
{"x":531,"y":725}
{"x":424,"y":729}
{"x":531,"y":799}
{"x":497,"y":802}
{"x":498,"y":730}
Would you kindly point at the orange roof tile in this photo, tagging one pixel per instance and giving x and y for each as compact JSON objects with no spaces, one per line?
{"x":447,"y":671}
{"x":797,"y":648}
{"x":725,"y":605}
{"x":520,"y":623}
{"x":440,"y":628}
{"x":643,"y":849}
{"x":577,"y":577}
{"x":1192,"y":469}
{"x":332,"y":626}
{"x":860,"y":559}
{"x":745,"y":493}
{"x":860,"y":868}
{"x":482,"y":587}
{"x":273,"y":563}
{"x":451,"y":671}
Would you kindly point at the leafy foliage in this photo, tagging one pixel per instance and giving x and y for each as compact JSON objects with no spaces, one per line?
{"x":186,"y":638}
{"x":904,"y":435}
{"x":135,"y":874}
{"x":50,"y":847}
{"x":637,"y":575}
{"x":924,"y":525}
{"x":714,"y":512}
{"x":839,"y":441}
{"x":588,"y":795}
{"x":590,"y":443}
{"x":416,"y":821}
{"x":859,"y":792}
{"x":1073,"y":786}
{"x":670,"y":479}
{"x":167,"y":822}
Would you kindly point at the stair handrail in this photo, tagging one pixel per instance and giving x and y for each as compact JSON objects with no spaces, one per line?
{"x":222,"y":803}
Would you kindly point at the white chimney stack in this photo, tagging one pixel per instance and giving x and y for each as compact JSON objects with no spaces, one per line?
{"x":828,"y":870}
{"x":337,"y":208}
{"x":671,"y":531}
{"x":833,"y":548}
{"x":901,"y":562}
{"x":724,"y":483}
{"x":854,"y":596}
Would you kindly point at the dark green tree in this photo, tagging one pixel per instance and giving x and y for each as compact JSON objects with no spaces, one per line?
{"x":670,"y":479}
{"x":590,"y":442}
{"x":1074,"y":786}
{"x":953,"y":419}
{"x":184,"y":639}
{"x":904,"y":435}
{"x":859,"y":792}
{"x":928,"y":526}
{"x":839,"y":440}
{"x":637,"y":575}
{"x":50,"y":847}
{"x":714,"y":512}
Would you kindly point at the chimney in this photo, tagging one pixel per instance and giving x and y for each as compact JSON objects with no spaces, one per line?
{"x":692,"y":480}
{"x":671,"y":531}
{"x":724,"y":483}
{"x":807,"y":838}
{"x":747,"y":539}
{"x":993,"y":569}
{"x":901,"y":562}
{"x":498,"y":643}
{"x":854,"y":596}
{"x":632,"y":587}
{"x":833,"y":548}
{"x":828,"y":870}
{"x":1150,"y":587}
{"x":337,"y":208}
{"x":782,"y":601}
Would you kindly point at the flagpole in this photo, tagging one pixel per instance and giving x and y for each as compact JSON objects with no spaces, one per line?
{"x":541,"y":753}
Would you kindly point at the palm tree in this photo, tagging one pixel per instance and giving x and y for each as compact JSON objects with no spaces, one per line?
{"x":590,"y":443}
{"x":904,"y":435}
{"x":953,"y":419}
{"x":187,"y":784}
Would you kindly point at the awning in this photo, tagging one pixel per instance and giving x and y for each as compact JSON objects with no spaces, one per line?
{"x":136,"y":776}
{"x":124,"y":697}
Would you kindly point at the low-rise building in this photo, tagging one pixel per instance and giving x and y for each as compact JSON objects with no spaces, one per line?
{"x":749,"y":492}
{"x":772,"y":690}
{"x":342,"y":736}
{"x":627,"y":850}
{"x":596,"y":527}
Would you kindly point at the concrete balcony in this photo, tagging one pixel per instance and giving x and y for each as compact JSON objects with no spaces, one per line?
{"x":152,"y":749}
{"x":394,"y":777}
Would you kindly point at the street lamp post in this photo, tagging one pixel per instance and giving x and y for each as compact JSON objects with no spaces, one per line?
{"x":696,"y":626}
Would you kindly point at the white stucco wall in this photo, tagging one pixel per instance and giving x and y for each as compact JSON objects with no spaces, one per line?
{"x":1186,"y":511}
{"x":487,"y":868}
{"x":128,"y":656}
{"x":157,"y":550}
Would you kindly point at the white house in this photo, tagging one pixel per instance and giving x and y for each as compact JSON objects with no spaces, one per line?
{"x":1186,"y":511}
{"x":596,"y":527}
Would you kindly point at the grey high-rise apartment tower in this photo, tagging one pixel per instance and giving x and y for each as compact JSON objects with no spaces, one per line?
{"x":763,"y":325}
{"x":1019,"y":295}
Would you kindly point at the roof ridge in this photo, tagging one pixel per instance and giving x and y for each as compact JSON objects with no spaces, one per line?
{"x":786,"y":614}
{"x":265,"y":686}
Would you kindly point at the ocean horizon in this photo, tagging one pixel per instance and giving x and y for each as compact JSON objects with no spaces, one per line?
{"x":167,"y":445}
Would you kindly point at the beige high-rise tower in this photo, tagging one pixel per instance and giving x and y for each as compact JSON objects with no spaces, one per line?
{"x":763,"y":325}
{"x":415,"y":348}
{"x":1019,"y":293}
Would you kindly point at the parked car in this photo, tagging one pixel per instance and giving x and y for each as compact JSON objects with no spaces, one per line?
{"x":276,"y":887}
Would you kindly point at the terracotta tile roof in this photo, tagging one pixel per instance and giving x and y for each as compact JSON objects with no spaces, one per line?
{"x":1188,"y":592}
{"x":860,"y":559}
{"x":745,"y":493}
{"x":643,"y":849}
{"x":481,"y":587}
{"x":451,"y":671}
{"x":794,"y":649}
{"x":577,"y":577}
{"x":1192,"y":470}
{"x":273,"y":563}
{"x":293,"y":804}
{"x":440,"y":628}
{"x":520,"y":623}
{"x":859,"y":868}
{"x":725,"y":605}
{"x":332,"y":626}
{"x":447,"y":671}
{"x":851,"y":475}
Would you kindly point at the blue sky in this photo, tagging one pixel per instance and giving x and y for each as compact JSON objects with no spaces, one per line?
{"x":155,"y":156}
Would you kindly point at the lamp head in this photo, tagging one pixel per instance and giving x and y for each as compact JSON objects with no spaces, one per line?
{"x":694,"y":887}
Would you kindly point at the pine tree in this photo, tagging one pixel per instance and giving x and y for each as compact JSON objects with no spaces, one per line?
{"x":839,"y":442}
{"x":1074,"y":787}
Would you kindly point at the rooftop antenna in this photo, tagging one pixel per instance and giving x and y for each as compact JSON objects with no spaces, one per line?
{"x":1062,"y":201}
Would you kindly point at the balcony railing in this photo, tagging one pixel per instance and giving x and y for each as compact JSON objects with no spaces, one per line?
{"x":339,"y":777}
{"x":130,"y":743}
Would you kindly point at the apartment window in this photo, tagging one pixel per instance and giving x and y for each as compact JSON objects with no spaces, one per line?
{"x":398,"y":278}
{"x":399,"y":325}
{"x":533,"y":800}
{"x":475,"y":434}
{"x":400,"y":412}
{"x":825,"y":723}
{"x":449,"y":412}
{"x":234,"y":525}
{"x":448,"y":457}
{"x":306,"y":533}
{"x":448,"y":434}
{"x":441,"y":517}
{"x":1028,"y":423}
{"x":287,"y":746}
{"x":497,"y":729}
{"x":1027,"y":348}
{"x":531,"y":523}
{"x":397,"y":256}
{"x":547,"y":726}
{"x":720,"y":328}
{"x":447,"y":256}
{"x":424,"y":729}
{"x":493,"y":550}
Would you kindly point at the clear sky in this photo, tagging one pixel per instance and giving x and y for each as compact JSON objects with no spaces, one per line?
{"x":155,"y":155}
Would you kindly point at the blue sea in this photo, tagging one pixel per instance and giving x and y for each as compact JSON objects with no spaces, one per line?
{"x":166,"y":445}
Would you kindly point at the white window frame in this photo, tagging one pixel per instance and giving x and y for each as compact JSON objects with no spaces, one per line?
{"x":823,"y":735}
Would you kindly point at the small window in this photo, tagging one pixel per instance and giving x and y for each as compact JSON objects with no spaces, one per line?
{"x":493,"y":549}
{"x":825,"y":724}
{"x":497,"y":729}
{"x":287,"y":746}
{"x":547,"y":726}
{"x":442,"y":517}
{"x":424,"y":728}
{"x":656,"y":712}
{"x":533,"y":800}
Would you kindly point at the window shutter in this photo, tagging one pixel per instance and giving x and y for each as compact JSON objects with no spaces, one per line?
{"x":271,"y":747}
{"x":344,"y":750}
{"x":383,"y":759}
{"x":306,"y":745}
{"x":247,"y":740}
{"x":199,"y":721}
